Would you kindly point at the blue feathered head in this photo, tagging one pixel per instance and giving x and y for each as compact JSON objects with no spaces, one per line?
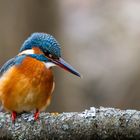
{"x":46,"y":42}
{"x":51,"y":51}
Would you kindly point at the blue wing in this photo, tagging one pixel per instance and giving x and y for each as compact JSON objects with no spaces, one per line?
{"x":13,"y":61}
{"x":7,"y":65}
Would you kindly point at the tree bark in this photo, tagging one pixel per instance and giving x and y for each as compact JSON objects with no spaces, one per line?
{"x":102,"y":123}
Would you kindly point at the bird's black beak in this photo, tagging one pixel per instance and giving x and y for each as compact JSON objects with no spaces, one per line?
{"x":63,"y":64}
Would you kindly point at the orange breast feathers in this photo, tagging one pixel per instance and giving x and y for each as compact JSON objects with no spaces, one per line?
{"x":26,"y":86}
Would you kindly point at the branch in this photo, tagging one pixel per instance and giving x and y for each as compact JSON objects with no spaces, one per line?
{"x":102,"y":123}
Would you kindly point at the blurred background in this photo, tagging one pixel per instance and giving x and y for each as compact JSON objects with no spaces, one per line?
{"x":101,"y":39}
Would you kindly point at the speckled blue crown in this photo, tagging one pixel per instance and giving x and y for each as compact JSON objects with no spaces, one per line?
{"x":46,"y":42}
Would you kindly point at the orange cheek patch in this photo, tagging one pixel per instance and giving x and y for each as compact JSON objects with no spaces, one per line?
{"x":37,"y":50}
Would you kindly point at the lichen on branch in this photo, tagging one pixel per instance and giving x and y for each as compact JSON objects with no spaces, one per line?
{"x":95,"y":123}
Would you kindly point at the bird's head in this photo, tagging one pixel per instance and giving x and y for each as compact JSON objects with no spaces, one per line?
{"x":45,"y":48}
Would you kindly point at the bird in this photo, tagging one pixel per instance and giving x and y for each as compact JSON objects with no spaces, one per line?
{"x":27,"y":80}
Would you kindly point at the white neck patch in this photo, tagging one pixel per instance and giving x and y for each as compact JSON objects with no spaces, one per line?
{"x":30,"y":51}
{"x":49,"y":65}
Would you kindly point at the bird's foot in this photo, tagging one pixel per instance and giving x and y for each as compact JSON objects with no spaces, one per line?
{"x":13,"y":116}
{"x":36,"y":115}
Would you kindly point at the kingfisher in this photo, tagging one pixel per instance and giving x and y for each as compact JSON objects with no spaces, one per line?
{"x":26,"y":80}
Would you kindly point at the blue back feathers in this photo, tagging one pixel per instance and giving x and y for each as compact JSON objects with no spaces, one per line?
{"x":46,"y":42}
{"x":14,"y":61}
{"x":17,"y":60}
{"x":6,"y":66}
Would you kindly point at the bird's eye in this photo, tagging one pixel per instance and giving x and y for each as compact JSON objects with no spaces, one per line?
{"x":50,"y":55}
{"x":47,"y":54}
